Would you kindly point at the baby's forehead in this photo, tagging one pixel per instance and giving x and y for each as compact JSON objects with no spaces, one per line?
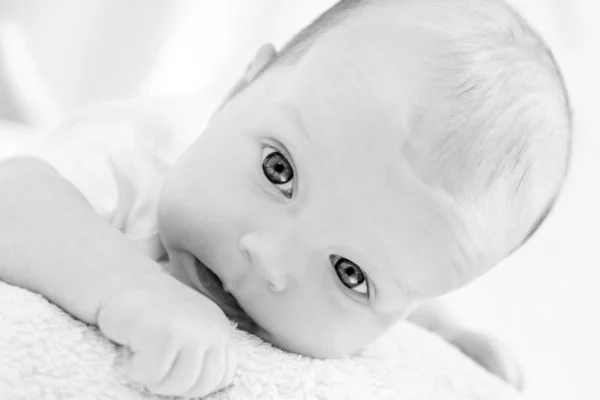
{"x":370,"y":86}
{"x":347,"y":97}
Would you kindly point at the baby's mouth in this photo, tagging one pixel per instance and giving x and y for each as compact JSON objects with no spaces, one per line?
{"x":212,"y":287}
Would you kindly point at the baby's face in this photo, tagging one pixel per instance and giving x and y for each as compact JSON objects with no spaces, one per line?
{"x":298,"y":198}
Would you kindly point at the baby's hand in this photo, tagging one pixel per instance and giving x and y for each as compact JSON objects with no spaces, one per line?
{"x":179,"y":339}
{"x":490,"y":353}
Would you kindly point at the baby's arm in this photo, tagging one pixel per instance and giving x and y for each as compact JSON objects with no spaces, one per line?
{"x":54,"y":243}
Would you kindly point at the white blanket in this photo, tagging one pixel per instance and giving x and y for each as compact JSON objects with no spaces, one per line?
{"x":46,"y":354}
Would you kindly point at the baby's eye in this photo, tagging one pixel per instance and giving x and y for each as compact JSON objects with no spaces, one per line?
{"x":351,"y":275}
{"x":278,"y":171}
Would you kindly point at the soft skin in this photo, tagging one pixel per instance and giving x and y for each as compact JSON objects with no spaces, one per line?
{"x":352,"y":195}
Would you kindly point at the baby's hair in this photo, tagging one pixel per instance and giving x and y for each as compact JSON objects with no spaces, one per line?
{"x":492,"y":127}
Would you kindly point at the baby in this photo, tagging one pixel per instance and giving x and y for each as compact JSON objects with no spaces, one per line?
{"x":392,"y":152}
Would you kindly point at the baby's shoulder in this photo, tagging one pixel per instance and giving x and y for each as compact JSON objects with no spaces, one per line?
{"x":162,"y":126}
{"x":112,"y":124}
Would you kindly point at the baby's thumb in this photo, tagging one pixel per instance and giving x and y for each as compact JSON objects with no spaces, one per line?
{"x":126,"y":360}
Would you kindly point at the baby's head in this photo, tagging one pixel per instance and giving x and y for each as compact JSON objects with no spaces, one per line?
{"x":394,"y":151}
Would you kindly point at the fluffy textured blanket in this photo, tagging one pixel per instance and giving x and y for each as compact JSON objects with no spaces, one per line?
{"x":46,"y":354}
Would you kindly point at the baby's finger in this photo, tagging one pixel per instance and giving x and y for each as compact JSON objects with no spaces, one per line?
{"x":183,"y":375}
{"x":211,"y":376}
{"x":230,"y":367}
{"x":151,"y":366}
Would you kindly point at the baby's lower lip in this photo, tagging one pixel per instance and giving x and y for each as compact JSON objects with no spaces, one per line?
{"x":212,"y":287}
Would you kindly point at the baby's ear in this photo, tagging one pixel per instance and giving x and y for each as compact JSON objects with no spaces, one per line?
{"x":263,"y":58}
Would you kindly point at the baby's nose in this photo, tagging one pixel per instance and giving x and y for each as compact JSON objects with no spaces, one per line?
{"x":265,"y":258}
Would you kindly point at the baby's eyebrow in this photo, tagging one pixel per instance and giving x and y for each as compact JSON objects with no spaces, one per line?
{"x":385,"y":302}
{"x":293,"y":114}
{"x":408,"y":292}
